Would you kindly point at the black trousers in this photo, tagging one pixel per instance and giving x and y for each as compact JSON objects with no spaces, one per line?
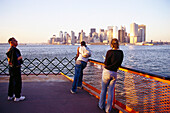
{"x":15,"y":82}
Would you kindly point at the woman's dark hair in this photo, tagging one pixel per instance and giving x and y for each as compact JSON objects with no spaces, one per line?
{"x":114,"y":43}
{"x":83,"y":43}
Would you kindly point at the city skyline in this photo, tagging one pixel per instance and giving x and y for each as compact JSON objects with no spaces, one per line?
{"x":137,"y":35}
{"x":36,"y":21}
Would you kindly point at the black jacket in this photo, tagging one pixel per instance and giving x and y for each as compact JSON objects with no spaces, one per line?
{"x":113,"y":59}
{"x":13,"y":54}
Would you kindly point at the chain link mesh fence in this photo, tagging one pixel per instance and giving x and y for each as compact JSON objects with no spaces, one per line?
{"x":139,"y":93}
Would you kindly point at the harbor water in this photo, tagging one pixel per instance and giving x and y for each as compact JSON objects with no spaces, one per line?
{"x":152,"y":59}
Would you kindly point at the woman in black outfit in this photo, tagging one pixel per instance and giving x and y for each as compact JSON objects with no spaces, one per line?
{"x":113,"y":61}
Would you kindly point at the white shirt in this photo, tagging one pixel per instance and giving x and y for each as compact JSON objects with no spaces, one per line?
{"x":81,"y":49}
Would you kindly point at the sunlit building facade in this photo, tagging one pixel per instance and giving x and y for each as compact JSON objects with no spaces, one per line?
{"x":144,"y":28}
{"x":82,"y":36}
{"x":110,"y":33}
{"x":133,"y":33}
{"x":141,"y":35}
{"x":115,"y":32}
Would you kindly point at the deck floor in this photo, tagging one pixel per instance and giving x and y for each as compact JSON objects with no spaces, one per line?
{"x":48,"y":94}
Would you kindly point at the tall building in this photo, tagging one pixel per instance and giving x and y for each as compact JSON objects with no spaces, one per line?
{"x":68,"y":39}
{"x":143,"y":27}
{"x":72,"y":38}
{"x":53,"y":39}
{"x":82,"y":36}
{"x":133,"y":33}
{"x":105,"y":35}
{"x":110,"y":33}
{"x":92,"y":30}
{"x":122,"y":35}
{"x":101,"y":35}
{"x":65,"y":38}
{"x":115,"y":32}
{"x":141,"y":35}
{"x":61,"y":35}
{"x":95,"y":37}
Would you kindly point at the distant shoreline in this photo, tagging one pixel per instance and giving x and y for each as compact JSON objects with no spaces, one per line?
{"x":146,"y":44}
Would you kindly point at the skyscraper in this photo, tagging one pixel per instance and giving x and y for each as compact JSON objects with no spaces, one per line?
{"x":115,"y":32}
{"x":141,"y":35}
{"x":65,"y":38}
{"x":122,"y":35}
{"x":53,"y":39}
{"x":143,"y":27}
{"x":82,"y":36}
{"x":61,"y":35}
{"x":72,"y":38}
{"x":110,"y":33}
{"x":101,"y":35}
{"x":133,"y":33}
{"x":92,"y":30}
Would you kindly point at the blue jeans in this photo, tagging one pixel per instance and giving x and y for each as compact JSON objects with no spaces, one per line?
{"x":80,"y":65}
{"x":108,"y":80}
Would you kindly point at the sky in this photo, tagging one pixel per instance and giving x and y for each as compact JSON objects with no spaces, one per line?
{"x":36,"y":21}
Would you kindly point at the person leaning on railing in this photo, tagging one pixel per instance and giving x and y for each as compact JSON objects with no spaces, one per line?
{"x":83,"y":53}
{"x":113,"y":61}
{"x":15,"y":61}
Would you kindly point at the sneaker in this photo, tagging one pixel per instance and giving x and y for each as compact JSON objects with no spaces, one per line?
{"x":72,"y":91}
{"x":11,"y":98}
{"x":19,"y":99}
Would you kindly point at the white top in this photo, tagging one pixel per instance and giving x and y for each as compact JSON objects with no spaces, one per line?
{"x":81,"y":49}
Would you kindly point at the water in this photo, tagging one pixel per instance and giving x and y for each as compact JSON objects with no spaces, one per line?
{"x":152,"y":59}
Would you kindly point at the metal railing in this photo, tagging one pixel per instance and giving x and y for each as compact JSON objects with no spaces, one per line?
{"x":44,"y":66}
{"x":138,"y":91}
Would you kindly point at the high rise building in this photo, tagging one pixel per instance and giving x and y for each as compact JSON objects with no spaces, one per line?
{"x":101,"y":35}
{"x":82,"y":36}
{"x":105,"y":35}
{"x":141,"y":35}
{"x":133,"y":33}
{"x":122,"y":35}
{"x":61,"y":35}
{"x":65,"y":38}
{"x":95,"y":37}
{"x":68,"y":39}
{"x":53,"y":39}
{"x":143,"y":27}
{"x":72,"y":38}
{"x":115,"y":32}
{"x":110,"y":33}
{"x":92,"y":30}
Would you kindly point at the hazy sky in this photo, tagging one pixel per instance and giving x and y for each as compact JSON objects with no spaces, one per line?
{"x":32,"y":21}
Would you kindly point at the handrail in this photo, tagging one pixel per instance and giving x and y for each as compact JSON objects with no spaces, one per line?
{"x":165,"y":77}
